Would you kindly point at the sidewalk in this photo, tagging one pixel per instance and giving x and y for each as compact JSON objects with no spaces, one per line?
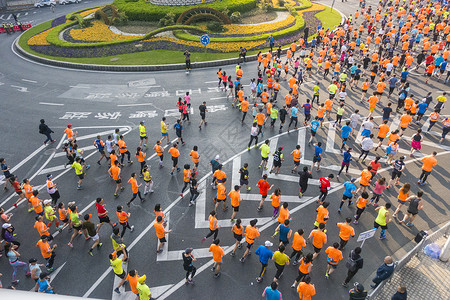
{"x":425,"y":278}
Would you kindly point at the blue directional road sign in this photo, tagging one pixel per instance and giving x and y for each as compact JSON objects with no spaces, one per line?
{"x":204,"y":39}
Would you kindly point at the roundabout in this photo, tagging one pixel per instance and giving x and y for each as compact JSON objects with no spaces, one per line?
{"x":92,"y":36}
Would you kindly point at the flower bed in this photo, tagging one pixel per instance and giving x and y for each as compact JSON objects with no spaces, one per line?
{"x":236,"y":30}
{"x":99,"y":31}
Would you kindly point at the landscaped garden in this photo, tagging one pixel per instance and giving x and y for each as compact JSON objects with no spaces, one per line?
{"x":137,"y":32}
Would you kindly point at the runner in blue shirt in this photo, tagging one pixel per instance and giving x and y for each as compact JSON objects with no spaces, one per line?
{"x":349,"y":191}
{"x":346,"y":161}
{"x":271,"y":292}
{"x":317,"y":155}
{"x":421,"y":109}
{"x":294,"y":119}
{"x":264,"y":254}
{"x":315,"y":124}
{"x":346,"y":130}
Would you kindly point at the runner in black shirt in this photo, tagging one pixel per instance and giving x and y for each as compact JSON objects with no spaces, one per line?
{"x":244,"y":176}
{"x":203,"y":111}
{"x":283,"y":112}
{"x":303,"y":181}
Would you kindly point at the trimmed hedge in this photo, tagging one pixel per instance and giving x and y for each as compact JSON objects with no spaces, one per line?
{"x":143,"y":11}
{"x":53,"y":36}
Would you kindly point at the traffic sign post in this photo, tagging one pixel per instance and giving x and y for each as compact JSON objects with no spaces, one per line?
{"x":205,"y":40}
{"x":363,"y":236}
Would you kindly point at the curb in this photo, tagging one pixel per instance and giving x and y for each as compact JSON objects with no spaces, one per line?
{"x":134,"y":68}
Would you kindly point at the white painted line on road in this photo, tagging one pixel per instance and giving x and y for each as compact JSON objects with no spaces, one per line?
{"x":301,"y":140}
{"x":27,"y":80}
{"x":273,"y":147}
{"x":135,"y":104}
{"x":215,"y":81}
{"x":283,"y":198}
{"x":234,"y":174}
{"x":59,"y":154}
{"x":296,"y":179}
{"x":48,"y":103}
{"x":330,"y":139}
{"x":27,"y":159}
{"x":79,"y":87}
{"x":52,"y":169}
{"x":218,"y":98}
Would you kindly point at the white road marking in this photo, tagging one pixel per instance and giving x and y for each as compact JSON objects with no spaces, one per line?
{"x":28,"y":80}
{"x":273,"y":147}
{"x":301,"y":140}
{"x":235,"y":173}
{"x":20,"y":88}
{"x":330,"y":139}
{"x":135,"y":104}
{"x":54,"y":104}
{"x":217,"y":98}
{"x":292,"y":178}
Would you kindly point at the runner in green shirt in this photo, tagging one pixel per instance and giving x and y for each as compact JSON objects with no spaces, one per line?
{"x":265,"y":151}
{"x":143,"y":289}
{"x":281,"y":259}
{"x":79,"y":171}
{"x":117,"y":267}
{"x":273,"y":116}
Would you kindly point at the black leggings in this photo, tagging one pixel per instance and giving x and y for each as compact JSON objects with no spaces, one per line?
{"x":300,"y":276}
{"x":124,"y":228}
{"x":190,"y":270}
{"x":323,"y":195}
{"x":363,"y":153}
{"x":184,"y":186}
{"x":50,"y":260}
{"x":211,"y":232}
{"x":375,"y":197}
{"x":293,"y":119}
{"x":297,"y":253}
{"x":142,"y":166}
{"x":251,"y":140}
{"x":342,"y":168}
{"x":134,"y":196}
{"x":280,"y":269}
{"x":424,"y":176}
{"x":303,"y":188}
{"x":350,"y":275}
{"x":359,"y":211}
{"x":123,"y":156}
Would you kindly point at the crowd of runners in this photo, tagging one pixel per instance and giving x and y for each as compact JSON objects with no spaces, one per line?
{"x":373,"y":53}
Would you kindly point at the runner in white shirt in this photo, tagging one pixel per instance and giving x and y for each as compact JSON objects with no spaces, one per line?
{"x":354,"y":119}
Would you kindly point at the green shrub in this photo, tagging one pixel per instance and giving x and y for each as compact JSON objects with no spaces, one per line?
{"x":143,"y":11}
{"x":168,"y":20}
{"x":121,"y":19}
{"x":235,"y":17}
{"x":215,"y":26}
{"x":225,"y":11}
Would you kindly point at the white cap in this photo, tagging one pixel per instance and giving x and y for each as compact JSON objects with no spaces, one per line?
{"x":217,"y":157}
{"x":268,"y":244}
{"x":6,"y":225}
{"x":47,"y":201}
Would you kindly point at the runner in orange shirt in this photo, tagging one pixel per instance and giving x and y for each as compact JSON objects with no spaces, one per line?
{"x":319,"y":239}
{"x":134,"y":189}
{"x":345,"y":232}
{"x":428,"y":163}
{"x":306,"y":289}
{"x":218,"y":254}
{"x":159,"y":152}
{"x":161,"y":233}
{"x":361,"y":206}
{"x":251,"y":233}
{"x":298,"y":243}
{"x":175,"y":154}
{"x":334,"y":256}
{"x":114,"y":172}
{"x":186,"y":178}
{"x":373,"y":100}
{"x":195,"y":158}
{"x":235,"y":199}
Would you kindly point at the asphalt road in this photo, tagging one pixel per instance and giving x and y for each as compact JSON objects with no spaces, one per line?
{"x":97,"y":102}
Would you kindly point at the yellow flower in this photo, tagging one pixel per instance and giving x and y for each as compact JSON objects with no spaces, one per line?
{"x":99,"y":31}
{"x":39,"y":39}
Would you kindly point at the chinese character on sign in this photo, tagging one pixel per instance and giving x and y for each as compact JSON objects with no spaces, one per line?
{"x":108,"y":116}
{"x":157,"y":94}
{"x":70,"y":115}
{"x":143,"y":114}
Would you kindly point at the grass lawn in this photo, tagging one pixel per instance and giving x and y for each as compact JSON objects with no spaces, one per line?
{"x":161,"y":57}
{"x":329,"y":18}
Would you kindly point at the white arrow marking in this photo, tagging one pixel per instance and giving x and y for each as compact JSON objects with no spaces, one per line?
{"x":20,"y":88}
{"x":59,"y":154}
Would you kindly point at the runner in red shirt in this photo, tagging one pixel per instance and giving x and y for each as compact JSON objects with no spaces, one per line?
{"x":264,"y":186}
{"x":325,"y":186}
{"x":375,"y":164}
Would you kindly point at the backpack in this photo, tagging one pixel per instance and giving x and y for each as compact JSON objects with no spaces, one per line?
{"x":351,"y":264}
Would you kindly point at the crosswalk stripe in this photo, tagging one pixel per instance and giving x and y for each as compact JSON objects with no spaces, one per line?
{"x":394,"y":124}
{"x":330,"y":139}
{"x":301,"y":140}
{"x":292,"y":178}
{"x":273,"y":147}
{"x":235,"y":173}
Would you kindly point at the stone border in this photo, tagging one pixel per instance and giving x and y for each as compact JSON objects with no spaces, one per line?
{"x":134,"y":68}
